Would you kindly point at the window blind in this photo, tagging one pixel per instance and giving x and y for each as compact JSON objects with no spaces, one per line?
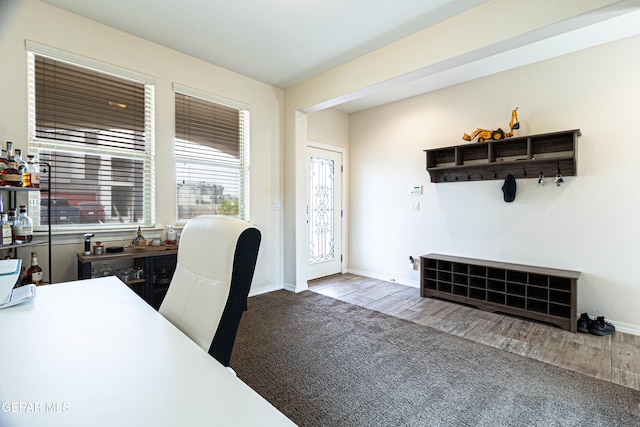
{"x":211,"y":151}
{"x":95,"y":130}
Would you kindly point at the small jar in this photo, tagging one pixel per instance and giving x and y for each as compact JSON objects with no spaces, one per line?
{"x":98,"y":249}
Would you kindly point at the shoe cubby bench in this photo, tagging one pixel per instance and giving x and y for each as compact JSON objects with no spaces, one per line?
{"x":538,"y":293}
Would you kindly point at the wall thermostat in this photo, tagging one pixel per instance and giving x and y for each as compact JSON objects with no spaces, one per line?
{"x":415,"y":190}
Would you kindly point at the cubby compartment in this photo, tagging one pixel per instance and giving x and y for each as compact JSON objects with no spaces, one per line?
{"x":444,"y":276}
{"x":516,"y":302}
{"x":430,"y":284}
{"x":474,"y":154}
{"x":553,"y":146}
{"x":516,"y":276}
{"x":479,"y":294}
{"x":538,"y":280}
{"x":460,"y":279}
{"x":495,"y":297}
{"x":441,"y":157}
{"x":444,"y":287}
{"x":460,"y":268}
{"x":560,"y":283}
{"x":495,"y":285}
{"x":539,"y":293}
{"x":460,"y":290}
{"x":430,"y":263}
{"x":509,"y":150}
{"x":537,"y":305}
{"x":476,"y":270}
{"x":495,"y":273}
{"x":559,"y":310}
{"x":477,"y":282}
{"x":516,"y":289}
{"x":560,"y":297}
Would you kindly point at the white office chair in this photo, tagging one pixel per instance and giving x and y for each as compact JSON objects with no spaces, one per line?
{"x":208,"y":292}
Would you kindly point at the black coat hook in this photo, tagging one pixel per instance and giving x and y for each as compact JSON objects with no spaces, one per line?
{"x":495,"y":175}
{"x":558,"y":178}
{"x":468,"y":176}
{"x":524,"y":170}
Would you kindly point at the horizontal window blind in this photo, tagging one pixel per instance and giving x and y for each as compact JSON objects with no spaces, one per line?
{"x":95,"y":130}
{"x":211,"y":151}
{"x":76,"y":104}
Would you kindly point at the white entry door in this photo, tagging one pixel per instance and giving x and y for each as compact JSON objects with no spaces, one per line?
{"x":324,"y":212}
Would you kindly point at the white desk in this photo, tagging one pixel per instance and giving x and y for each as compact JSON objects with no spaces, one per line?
{"x":93,"y":353}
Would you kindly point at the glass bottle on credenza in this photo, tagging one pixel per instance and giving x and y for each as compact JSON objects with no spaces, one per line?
{"x":22,"y":227}
{"x":11,"y":176}
{"x":6,"y":234}
{"x":3,"y":160}
{"x":32,"y":174}
{"x":21,"y":164}
{"x":34,"y":273}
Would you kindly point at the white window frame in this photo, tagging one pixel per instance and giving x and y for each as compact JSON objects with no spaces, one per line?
{"x":244,"y":148}
{"x":36,"y":144}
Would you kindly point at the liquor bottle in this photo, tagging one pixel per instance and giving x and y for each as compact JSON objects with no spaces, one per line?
{"x":11,"y":176}
{"x":3,"y":160}
{"x":139,"y":240}
{"x":6,"y":236}
{"x":34,"y":273}
{"x":32,"y":174}
{"x":22,"y":227}
{"x":21,"y":165}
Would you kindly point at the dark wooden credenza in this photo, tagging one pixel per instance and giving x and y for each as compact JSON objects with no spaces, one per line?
{"x":544,"y":294}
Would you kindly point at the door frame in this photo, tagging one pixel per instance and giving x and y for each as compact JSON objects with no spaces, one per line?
{"x":343,"y":202}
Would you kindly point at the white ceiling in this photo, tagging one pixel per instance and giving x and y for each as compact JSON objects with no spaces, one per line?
{"x":283,"y":42}
{"x":279,"y":42}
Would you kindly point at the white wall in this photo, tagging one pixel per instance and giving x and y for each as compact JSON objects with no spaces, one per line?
{"x":33,"y":20}
{"x":589,"y":224}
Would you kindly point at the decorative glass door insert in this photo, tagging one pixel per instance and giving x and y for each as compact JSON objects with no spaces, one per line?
{"x":321,"y":209}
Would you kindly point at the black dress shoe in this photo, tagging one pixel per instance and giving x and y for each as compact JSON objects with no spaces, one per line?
{"x":601,"y":328}
{"x":584,"y":322}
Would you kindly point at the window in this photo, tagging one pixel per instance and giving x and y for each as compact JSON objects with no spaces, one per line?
{"x":93,"y":124}
{"x":212,"y":156}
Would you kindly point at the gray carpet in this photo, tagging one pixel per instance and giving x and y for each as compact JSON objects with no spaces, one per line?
{"x":324,"y":362}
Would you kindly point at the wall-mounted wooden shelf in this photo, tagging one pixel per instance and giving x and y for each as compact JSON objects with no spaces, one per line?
{"x":523,"y":157}
{"x":545,"y":294}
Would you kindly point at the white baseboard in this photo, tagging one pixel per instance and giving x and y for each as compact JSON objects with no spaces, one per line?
{"x":385,"y":277}
{"x":266,"y":290}
{"x":625,"y":327}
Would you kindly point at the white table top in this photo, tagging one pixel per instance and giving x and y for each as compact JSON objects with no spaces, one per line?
{"x":93,"y":353}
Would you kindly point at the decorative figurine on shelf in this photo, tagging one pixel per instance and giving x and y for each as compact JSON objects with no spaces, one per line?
{"x":139,"y":240}
{"x":485,"y":134}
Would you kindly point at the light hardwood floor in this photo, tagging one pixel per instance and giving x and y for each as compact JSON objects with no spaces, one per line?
{"x":614,"y":358}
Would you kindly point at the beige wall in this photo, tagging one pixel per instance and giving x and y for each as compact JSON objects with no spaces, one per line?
{"x":454,"y":42}
{"x":589,"y":224}
{"x":33,"y":20}
{"x":329,"y":127}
